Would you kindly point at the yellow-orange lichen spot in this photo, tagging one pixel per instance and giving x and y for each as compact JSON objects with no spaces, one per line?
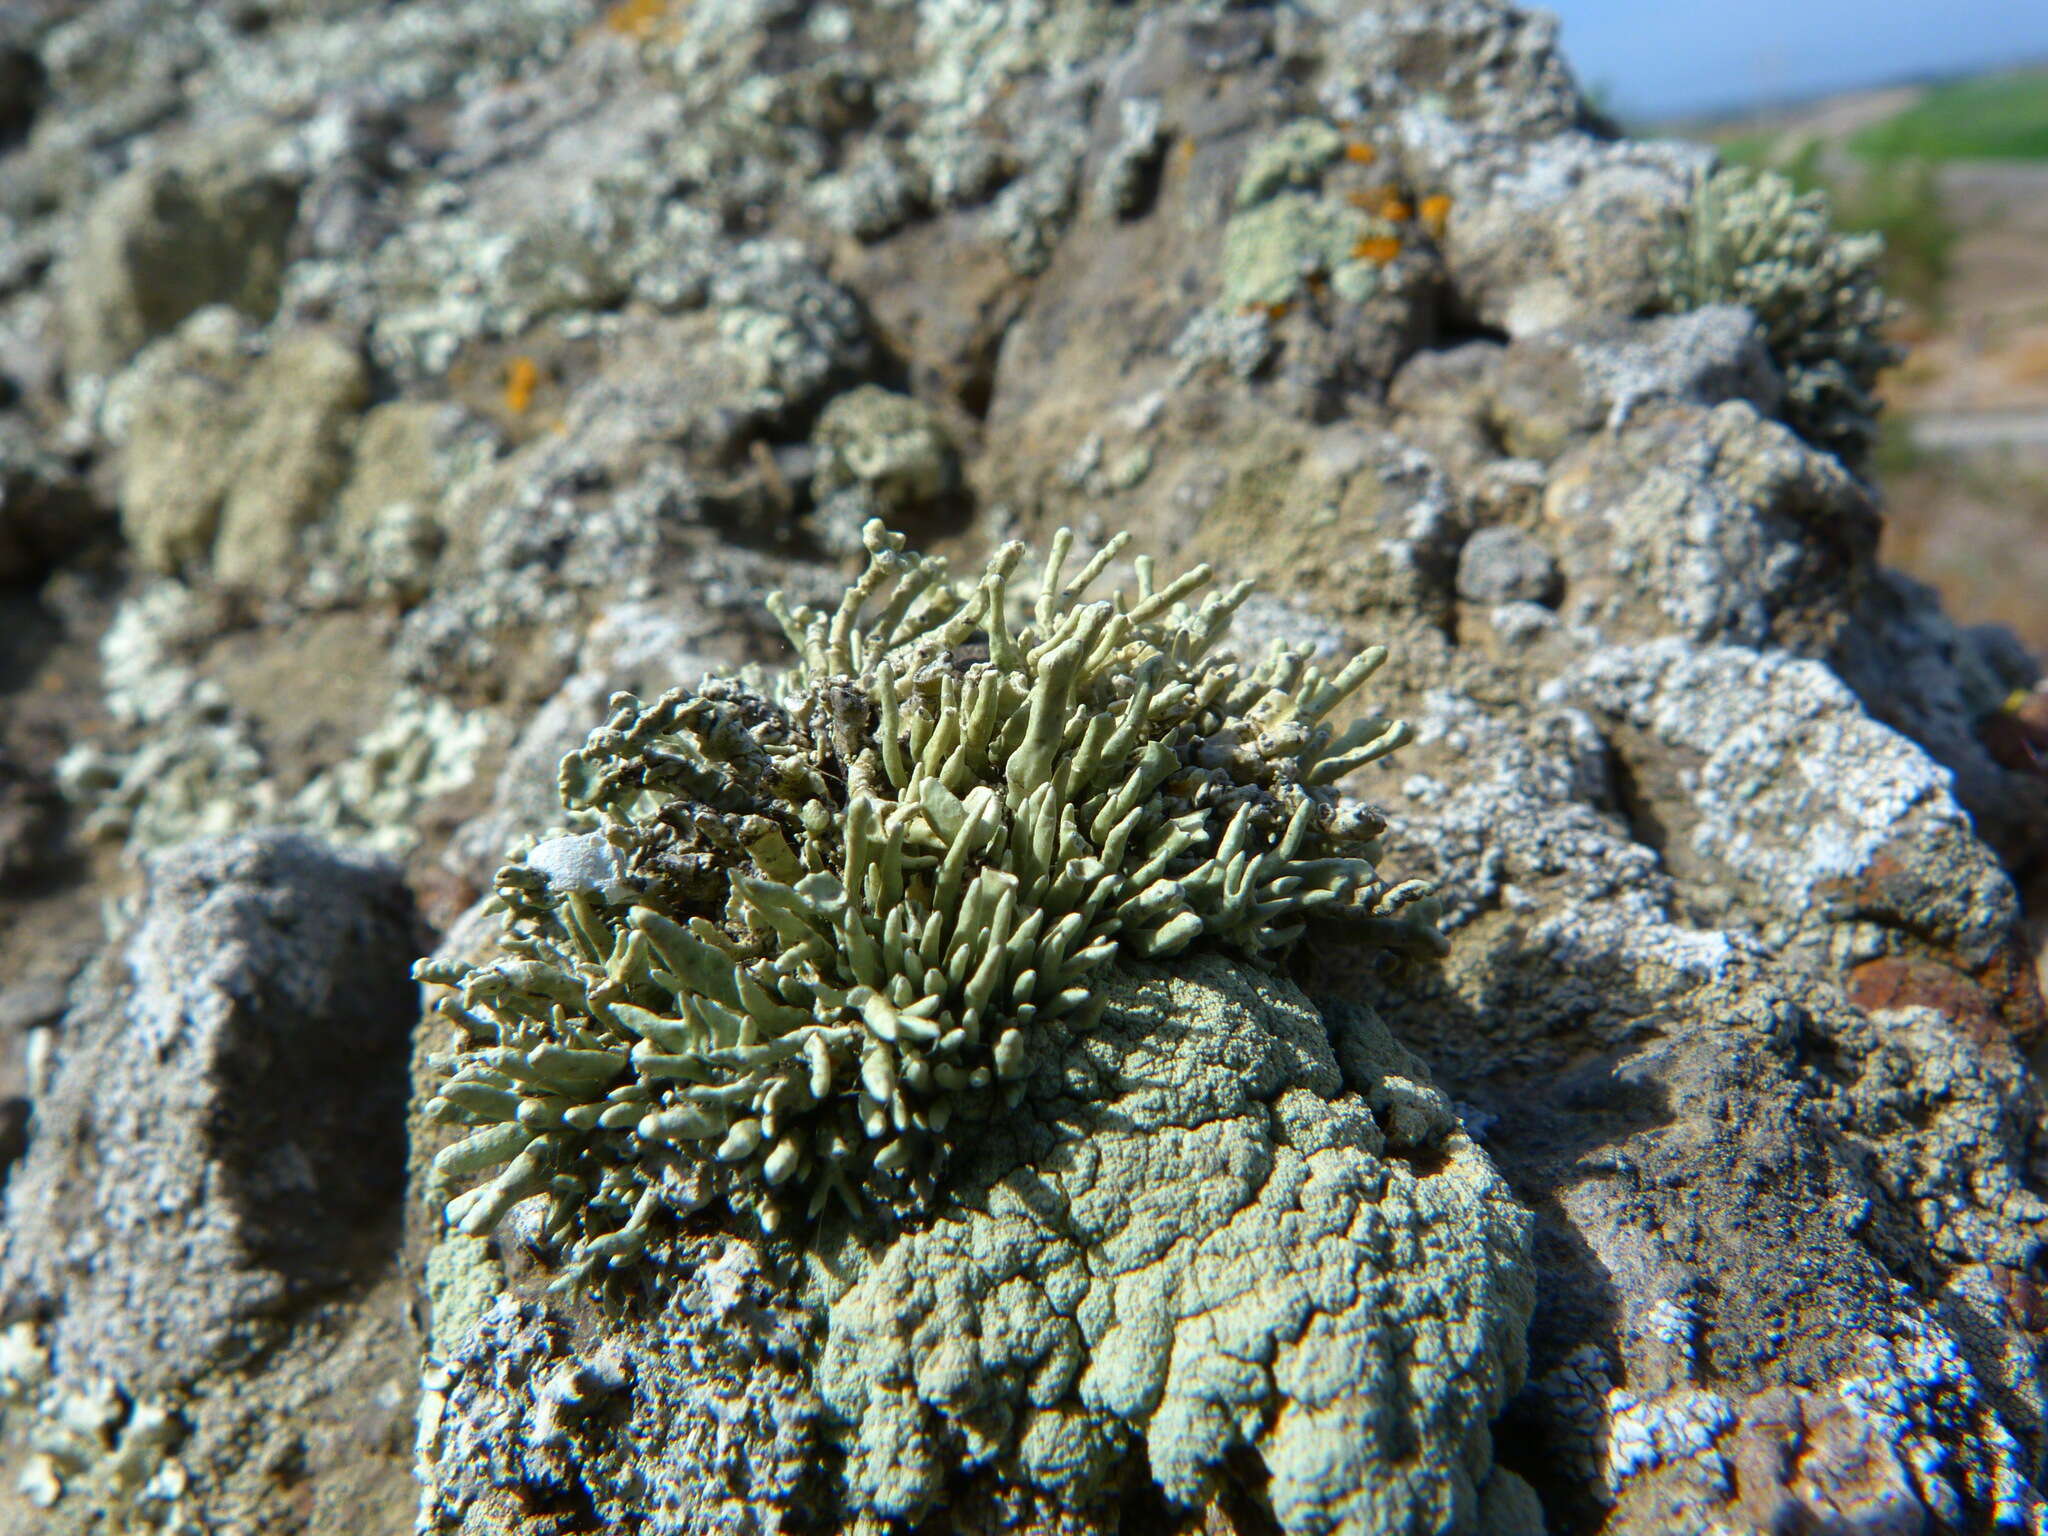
{"x":1360,"y":153}
{"x":635,"y":18}
{"x":522,"y":378}
{"x":1436,"y":213}
{"x":1380,"y":249}
{"x":1396,"y":209}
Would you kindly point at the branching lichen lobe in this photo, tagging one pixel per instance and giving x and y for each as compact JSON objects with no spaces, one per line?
{"x":818,"y":914}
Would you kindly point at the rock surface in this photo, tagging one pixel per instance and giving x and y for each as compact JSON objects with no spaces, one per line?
{"x":535,"y":340}
{"x":1200,"y":1244}
{"x":214,"y":1163}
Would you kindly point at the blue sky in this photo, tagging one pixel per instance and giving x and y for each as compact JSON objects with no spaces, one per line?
{"x":1651,"y":60}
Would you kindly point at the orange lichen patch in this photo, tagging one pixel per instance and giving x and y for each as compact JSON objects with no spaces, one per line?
{"x":1359,"y":153}
{"x":635,"y":18}
{"x":522,"y":378}
{"x":1377,"y":248}
{"x":1278,"y":310}
{"x":1187,"y":150}
{"x":1396,"y":209}
{"x":1436,"y":212}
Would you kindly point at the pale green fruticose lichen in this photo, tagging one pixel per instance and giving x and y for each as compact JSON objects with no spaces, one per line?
{"x":1751,"y":238}
{"x":821,"y":919}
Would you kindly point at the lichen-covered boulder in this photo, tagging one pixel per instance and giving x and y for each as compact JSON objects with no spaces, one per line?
{"x":205,"y":225}
{"x":1221,"y":1238}
{"x":1771,"y":984}
{"x":1223,"y":1247}
{"x":594,"y":322}
{"x":231,"y":454}
{"x":216,"y":1156}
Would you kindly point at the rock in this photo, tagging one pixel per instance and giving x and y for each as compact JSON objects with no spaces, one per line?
{"x":533,"y":341}
{"x":1555,"y":388}
{"x":699,"y":1419}
{"x":387,"y":529}
{"x":886,"y":456}
{"x":1688,"y":1324}
{"x":1717,"y":525}
{"x":1881,"y":838}
{"x":178,"y":411}
{"x":1506,"y":565}
{"x":1552,"y":231}
{"x":291,"y":458}
{"x":247,"y":1072}
{"x":219,"y":1148}
{"x":230,"y":456}
{"x":1249,"y":1192}
{"x":172,"y":236}
{"x":1766,"y":1366}
{"x":1927,"y":677}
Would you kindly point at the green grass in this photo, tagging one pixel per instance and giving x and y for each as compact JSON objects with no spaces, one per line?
{"x":1751,"y":149}
{"x":1992,"y":117}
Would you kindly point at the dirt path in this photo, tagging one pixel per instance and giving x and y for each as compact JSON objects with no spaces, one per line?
{"x":1949,"y":431}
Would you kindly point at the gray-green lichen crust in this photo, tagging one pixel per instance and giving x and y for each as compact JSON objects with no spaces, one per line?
{"x":819,"y":918}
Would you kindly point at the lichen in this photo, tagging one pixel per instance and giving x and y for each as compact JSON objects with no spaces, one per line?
{"x":1270,"y":252}
{"x":879,"y":454}
{"x":99,"y":1440}
{"x":819,"y":916}
{"x":1752,"y":238}
{"x":1294,"y":157}
{"x":1225,"y":1228}
{"x":1316,"y":226}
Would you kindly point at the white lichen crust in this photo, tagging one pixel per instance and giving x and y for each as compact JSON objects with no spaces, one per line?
{"x":822,"y":919}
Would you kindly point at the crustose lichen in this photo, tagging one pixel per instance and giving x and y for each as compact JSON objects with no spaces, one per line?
{"x":819,"y":919}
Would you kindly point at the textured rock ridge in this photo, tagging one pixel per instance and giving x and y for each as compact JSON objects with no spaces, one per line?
{"x":208,"y":1200}
{"x":535,"y":340}
{"x":1222,"y":1248}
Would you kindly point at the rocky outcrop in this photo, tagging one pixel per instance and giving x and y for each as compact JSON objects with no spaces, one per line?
{"x":536,"y":340}
{"x":1219,"y":1232}
{"x":194,"y":1241}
